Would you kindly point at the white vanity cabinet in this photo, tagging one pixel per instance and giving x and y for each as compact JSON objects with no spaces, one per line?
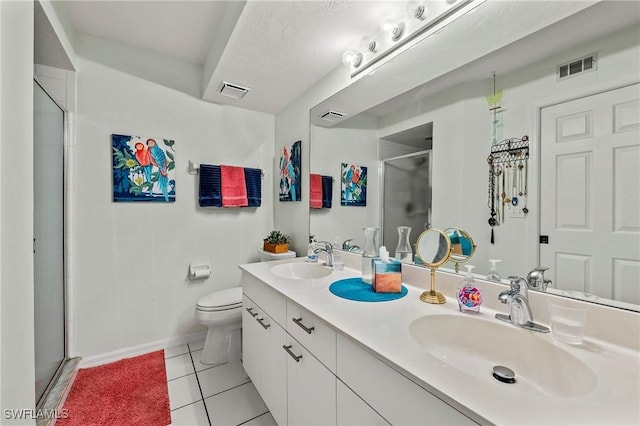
{"x":263,"y":357}
{"x":398,"y":399}
{"x":309,"y":373}
{"x":297,"y":388}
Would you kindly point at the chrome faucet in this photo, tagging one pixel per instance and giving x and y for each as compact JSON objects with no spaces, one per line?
{"x":327,"y":249}
{"x":536,"y":281}
{"x":519,"y":311}
{"x":348,"y":246}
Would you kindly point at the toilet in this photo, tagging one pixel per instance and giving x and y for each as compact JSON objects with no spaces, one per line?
{"x":221,"y":312}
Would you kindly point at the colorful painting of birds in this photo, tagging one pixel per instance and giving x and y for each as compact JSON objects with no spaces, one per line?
{"x":290,"y":162}
{"x":143,"y":169}
{"x":353,"y":185}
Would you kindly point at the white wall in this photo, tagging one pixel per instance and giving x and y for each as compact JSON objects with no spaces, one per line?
{"x":131,"y":259}
{"x":16,"y":210}
{"x":462,"y":138}
{"x":292,"y":124}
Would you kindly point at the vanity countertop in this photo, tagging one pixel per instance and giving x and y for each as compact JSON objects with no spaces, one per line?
{"x":384,"y":329}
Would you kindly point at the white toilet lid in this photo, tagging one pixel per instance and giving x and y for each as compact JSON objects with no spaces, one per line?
{"x":221,"y":300}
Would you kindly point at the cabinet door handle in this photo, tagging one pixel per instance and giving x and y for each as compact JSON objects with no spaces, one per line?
{"x":250,"y":310}
{"x":297,"y":358}
{"x":261,"y":321}
{"x":302,"y":326}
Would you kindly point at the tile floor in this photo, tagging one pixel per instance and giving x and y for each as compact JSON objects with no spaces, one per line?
{"x":202,"y":395}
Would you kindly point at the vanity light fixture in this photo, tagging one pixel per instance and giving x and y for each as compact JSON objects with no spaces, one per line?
{"x":394,"y":35}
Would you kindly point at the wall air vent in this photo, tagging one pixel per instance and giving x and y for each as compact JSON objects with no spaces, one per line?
{"x":332,"y":115}
{"x":577,"y":66}
{"x":232,"y":90}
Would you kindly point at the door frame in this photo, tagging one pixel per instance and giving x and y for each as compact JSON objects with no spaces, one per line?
{"x":533,"y":201}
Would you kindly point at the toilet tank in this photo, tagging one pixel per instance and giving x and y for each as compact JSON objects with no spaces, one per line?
{"x":266,"y":256}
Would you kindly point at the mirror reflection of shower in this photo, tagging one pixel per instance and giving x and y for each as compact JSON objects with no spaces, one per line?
{"x":406,"y":183}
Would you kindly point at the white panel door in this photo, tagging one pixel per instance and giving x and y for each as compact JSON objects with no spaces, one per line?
{"x":590,"y":194}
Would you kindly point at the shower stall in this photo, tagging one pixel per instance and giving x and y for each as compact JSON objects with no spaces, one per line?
{"x":406,"y":196}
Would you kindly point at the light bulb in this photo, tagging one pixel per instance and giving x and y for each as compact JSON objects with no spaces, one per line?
{"x":397,"y":31}
{"x":369,"y":44}
{"x":351,"y":58}
{"x":386,"y":25}
{"x":416,"y":9}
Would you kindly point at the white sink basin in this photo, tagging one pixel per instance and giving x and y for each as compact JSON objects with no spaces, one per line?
{"x":474,"y":346}
{"x":301,"y":271}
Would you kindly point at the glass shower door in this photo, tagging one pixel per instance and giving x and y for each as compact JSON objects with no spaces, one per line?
{"x":406,"y":197}
{"x":48,"y":247}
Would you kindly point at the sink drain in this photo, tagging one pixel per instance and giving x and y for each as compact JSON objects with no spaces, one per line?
{"x":504,"y":374}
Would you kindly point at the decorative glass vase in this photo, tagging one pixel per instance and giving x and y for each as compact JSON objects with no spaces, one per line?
{"x":403,"y":249}
{"x":370,"y":252}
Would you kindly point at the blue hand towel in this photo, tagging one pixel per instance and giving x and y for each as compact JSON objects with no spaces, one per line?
{"x":327,"y":191}
{"x":253,"y":179}
{"x":210,"y":194}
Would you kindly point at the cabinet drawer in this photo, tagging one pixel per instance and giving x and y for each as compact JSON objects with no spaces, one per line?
{"x":313,"y":333}
{"x":398,"y":399}
{"x":268,"y":299}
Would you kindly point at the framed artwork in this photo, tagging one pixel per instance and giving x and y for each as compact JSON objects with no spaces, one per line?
{"x":290,"y":161}
{"x":353,"y":187}
{"x":143,"y":169}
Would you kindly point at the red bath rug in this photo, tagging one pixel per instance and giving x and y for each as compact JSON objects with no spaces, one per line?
{"x":129,"y":392}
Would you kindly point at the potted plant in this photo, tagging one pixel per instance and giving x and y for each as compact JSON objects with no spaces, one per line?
{"x":276,"y":242}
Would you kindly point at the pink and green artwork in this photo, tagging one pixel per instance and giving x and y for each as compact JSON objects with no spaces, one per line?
{"x":143,"y":169}
{"x":353,"y":185}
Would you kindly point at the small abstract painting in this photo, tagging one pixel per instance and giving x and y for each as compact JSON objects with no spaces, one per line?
{"x":353,"y":185}
{"x":290,"y":173}
{"x":143,"y":169}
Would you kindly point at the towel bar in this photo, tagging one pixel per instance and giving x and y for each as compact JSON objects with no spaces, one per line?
{"x":194,"y":168}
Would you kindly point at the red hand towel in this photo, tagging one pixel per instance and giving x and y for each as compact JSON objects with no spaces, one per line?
{"x":233,"y":186}
{"x":315,"y":191}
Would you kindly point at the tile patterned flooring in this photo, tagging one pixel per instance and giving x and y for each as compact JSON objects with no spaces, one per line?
{"x":204,"y":395}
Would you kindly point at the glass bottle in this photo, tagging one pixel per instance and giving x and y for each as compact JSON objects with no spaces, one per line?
{"x":370,"y":251}
{"x":403,"y":249}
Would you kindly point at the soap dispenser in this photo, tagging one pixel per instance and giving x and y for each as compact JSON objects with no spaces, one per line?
{"x":468,"y":295}
{"x":493,"y":274}
{"x":312,"y":256}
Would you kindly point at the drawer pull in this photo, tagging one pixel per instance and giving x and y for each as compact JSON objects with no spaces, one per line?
{"x":294,"y":356}
{"x":302,"y":326}
{"x":250,"y":310}
{"x":261,"y":321}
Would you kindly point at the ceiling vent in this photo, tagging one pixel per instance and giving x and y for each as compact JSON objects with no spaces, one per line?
{"x":332,"y":115}
{"x":232,"y":90}
{"x":577,"y":66}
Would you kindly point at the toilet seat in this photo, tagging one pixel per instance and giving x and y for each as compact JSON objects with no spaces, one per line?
{"x":222,"y":300}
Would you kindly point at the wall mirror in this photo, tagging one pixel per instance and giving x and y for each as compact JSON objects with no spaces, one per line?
{"x":455,"y":126}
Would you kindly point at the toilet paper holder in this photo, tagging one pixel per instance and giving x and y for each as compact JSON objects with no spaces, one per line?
{"x":199,"y":271}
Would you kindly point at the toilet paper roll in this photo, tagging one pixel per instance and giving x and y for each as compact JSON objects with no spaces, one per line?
{"x":199,"y":272}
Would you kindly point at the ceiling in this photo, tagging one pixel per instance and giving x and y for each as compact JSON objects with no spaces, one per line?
{"x":278,"y":49}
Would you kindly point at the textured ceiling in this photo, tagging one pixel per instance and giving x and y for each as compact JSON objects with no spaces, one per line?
{"x":278,"y":49}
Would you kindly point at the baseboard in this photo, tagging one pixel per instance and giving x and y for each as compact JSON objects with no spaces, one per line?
{"x":131,"y":351}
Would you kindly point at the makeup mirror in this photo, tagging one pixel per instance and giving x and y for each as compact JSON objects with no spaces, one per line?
{"x":462,"y":246}
{"x":434,"y":249}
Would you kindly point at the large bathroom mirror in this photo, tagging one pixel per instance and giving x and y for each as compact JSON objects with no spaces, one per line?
{"x":454,"y":110}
